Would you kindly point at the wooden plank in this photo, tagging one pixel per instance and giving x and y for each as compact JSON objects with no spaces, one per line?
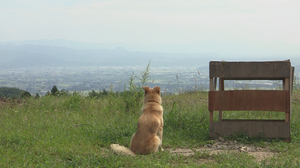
{"x":211,"y":116}
{"x":275,"y":70}
{"x":211,"y":84}
{"x":286,"y":84}
{"x":211,"y":88}
{"x":215,"y":83}
{"x":254,"y":128}
{"x":287,"y":117}
{"x":221,"y":88}
{"x":292,"y":77}
{"x":221,"y":84}
{"x":249,"y":100}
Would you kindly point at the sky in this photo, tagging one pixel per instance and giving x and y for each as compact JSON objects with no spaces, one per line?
{"x":179,"y":25}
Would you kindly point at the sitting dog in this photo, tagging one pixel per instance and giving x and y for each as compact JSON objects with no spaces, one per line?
{"x":148,"y":137}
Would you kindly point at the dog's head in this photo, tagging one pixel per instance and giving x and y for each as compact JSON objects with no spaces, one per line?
{"x":152,"y":95}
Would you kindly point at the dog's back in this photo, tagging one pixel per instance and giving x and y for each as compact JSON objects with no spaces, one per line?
{"x":148,"y":137}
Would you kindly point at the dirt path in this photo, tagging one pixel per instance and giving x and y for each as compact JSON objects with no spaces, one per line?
{"x":223,"y":146}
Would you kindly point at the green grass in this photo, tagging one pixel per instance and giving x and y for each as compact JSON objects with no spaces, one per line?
{"x":75,"y":131}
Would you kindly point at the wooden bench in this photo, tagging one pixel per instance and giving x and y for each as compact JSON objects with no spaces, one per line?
{"x":250,"y":100}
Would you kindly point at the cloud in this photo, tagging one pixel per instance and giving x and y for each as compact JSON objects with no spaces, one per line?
{"x":149,"y":22}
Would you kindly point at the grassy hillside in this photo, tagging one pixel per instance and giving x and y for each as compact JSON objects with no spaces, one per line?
{"x":76,"y":131}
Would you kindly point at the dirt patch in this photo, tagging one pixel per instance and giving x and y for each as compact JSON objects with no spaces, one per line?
{"x":259,"y":156}
{"x":222,"y":146}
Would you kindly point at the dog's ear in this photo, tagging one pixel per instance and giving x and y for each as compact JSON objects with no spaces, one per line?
{"x":146,"y":88}
{"x":157,"y":89}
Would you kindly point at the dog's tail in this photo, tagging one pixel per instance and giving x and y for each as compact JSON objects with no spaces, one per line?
{"x":121,"y":150}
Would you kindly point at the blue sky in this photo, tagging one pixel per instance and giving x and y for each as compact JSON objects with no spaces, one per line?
{"x":148,"y":22}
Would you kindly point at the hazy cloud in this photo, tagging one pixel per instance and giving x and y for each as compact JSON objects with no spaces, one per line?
{"x":149,"y":22}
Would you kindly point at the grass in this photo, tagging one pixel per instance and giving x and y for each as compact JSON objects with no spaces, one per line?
{"x":76,"y":131}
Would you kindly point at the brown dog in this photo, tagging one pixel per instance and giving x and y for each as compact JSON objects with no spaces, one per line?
{"x":148,"y":137}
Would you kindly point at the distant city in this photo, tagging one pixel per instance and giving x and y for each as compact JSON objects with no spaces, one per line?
{"x":170,"y":79}
{"x":37,"y":68}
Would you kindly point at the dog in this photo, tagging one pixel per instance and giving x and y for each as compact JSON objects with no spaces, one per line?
{"x":148,"y":137}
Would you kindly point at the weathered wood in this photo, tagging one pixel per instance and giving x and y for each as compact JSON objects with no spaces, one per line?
{"x":254,"y":128}
{"x":286,"y":84}
{"x":291,"y":86}
{"x":249,"y":100}
{"x":215,"y":83}
{"x":211,"y":88}
{"x":221,"y":84}
{"x":211,"y":116}
{"x":221,"y":88}
{"x":287,"y":117}
{"x":292,"y":77}
{"x":275,"y":70}
{"x":211,"y":84}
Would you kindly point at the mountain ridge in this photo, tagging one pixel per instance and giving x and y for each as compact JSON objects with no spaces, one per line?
{"x":238,"y":48}
{"x":13,"y":55}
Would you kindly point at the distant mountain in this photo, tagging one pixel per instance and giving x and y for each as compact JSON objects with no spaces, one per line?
{"x":37,"y":55}
{"x":241,"y":49}
{"x":24,"y":55}
{"x":68,"y":43}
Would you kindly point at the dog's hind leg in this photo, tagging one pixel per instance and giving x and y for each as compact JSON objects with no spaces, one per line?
{"x":159,"y":134}
{"x":152,"y":145}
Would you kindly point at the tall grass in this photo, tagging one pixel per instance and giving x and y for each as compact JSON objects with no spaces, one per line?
{"x":51,"y":129}
{"x":71,"y":131}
